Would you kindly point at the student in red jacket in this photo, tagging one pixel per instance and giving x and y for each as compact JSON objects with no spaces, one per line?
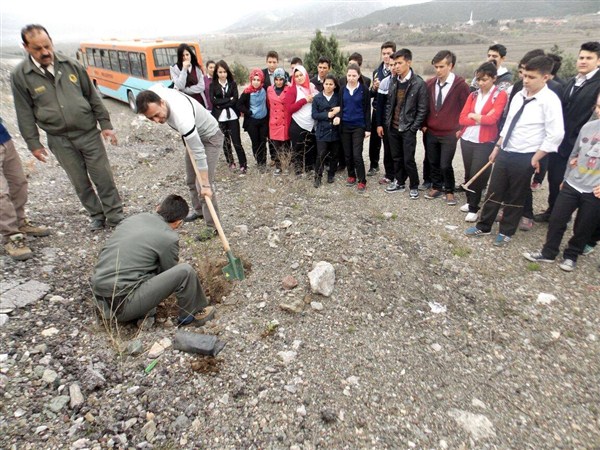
{"x":447,"y":95}
{"x":279,"y":101}
{"x":479,"y":120}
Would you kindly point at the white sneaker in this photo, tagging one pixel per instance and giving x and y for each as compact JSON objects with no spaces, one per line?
{"x":471,"y":217}
{"x":464,"y":208}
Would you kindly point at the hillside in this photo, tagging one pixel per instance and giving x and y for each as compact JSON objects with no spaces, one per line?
{"x":307,"y":16}
{"x":451,"y":11}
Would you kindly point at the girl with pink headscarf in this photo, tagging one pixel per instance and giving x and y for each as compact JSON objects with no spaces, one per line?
{"x":301,"y":127}
{"x":253,"y":104}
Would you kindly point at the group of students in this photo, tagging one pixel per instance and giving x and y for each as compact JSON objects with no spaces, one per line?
{"x":321,"y":123}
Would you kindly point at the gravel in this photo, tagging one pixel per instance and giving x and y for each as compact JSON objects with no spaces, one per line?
{"x":429,"y":339}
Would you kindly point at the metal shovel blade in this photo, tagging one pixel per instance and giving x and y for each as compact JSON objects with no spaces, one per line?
{"x":466,"y":187}
{"x":234,"y":270}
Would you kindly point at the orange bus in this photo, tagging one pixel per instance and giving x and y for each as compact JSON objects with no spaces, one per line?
{"x":121,"y":69}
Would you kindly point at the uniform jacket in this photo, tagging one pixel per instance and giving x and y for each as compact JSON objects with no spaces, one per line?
{"x":366,"y":101}
{"x":220,"y":100}
{"x":445,"y":121}
{"x":577,"y":110}
{"x":324,"y":128}
{"x":141,"y":247}
{"x":69,"y":106}
{"x":378,"y":74}
{"x":414,"y":108}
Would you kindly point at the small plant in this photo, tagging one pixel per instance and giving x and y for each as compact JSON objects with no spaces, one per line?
{"x":533,"y":267}
{"x":461,"y":252}
{"x":270,"y":328}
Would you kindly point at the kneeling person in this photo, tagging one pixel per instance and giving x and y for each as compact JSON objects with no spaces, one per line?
{"x":138,"y":268}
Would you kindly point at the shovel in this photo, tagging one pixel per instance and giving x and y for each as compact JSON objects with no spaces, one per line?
{"x":466,"y":185}
{"x":234,"y":270}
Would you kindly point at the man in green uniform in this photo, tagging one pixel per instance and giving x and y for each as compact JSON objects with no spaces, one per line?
{"x":138,"y":268}
{"x":55,"y":93}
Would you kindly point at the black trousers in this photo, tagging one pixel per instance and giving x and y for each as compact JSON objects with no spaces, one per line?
{"x":258,"y":130}
{"x":585,"y":229}
{"x":326,"y":151}
{"x":509,"y":185}
{"x":231,"y":131}
{"x":475,"y":156}
{"x":539,"y":177}
{"x":557,"y":164}
{"x":388,"y":161}
{"x":440,"y":151}
{"x":301,"y":146}
{"x":282,"y":152}
{"x":426,"y":165}
{"x":352,"y":142}
{"x":402,"y":146}
{"x":374,"y":144}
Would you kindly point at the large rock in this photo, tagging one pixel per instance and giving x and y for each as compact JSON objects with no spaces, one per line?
{"x":322,"y":278}
{"x":203,"y":344}
{"x":22,"y":295}
{"x":76,"y":396}
{"x":477,"y":425}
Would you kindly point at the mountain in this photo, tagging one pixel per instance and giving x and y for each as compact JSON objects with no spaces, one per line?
{"x":308,"y":15}
{"x":450,"y":11}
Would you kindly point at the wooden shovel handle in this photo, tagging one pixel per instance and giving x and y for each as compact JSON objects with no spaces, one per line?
{"x":474,"y":177}
{"x":208,"y":201}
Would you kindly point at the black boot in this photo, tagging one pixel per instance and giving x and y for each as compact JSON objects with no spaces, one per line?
{"x":317,"y":182}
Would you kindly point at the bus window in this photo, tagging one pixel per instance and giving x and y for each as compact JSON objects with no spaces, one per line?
{"x":144,"y":67}
{"x":165,"y":57}
{"x":82,"y":58}
{"x":124,"y":62}
{"x":136,"y":67}
{"x":97,"y":59}
{"x":105,"y":59}
{"x":114,"y":60}
{"x":89,"y":56}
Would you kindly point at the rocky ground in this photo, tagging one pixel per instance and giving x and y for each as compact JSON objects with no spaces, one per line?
{"x":429,"y":340}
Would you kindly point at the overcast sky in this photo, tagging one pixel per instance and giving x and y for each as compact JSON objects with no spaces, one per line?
{"x":70,"y":21}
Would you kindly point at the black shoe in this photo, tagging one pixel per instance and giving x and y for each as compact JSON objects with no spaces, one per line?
{"x":330,"y":178}
{"x":317,"y":182}
{"x":543,"y":217}
{"x":113,"y":224}
{"x":193,"y":216}
{"x":97,"y":224}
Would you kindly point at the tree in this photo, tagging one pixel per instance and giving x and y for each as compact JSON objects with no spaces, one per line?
{"x":568,"y":68}
{"x":329,"y":48}
{"x":240,"y":73}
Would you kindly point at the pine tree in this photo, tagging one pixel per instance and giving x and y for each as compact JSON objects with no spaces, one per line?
{"x":321,"y":46}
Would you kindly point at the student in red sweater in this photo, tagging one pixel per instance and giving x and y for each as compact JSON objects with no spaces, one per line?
{"x":447,"y":95}
{"x":479,"y":120}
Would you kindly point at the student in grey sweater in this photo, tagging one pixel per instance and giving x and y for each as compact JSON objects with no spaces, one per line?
{"x":580,"y":191}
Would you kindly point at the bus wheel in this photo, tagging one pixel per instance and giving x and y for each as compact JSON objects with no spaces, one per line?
{"x":131,"y":100}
